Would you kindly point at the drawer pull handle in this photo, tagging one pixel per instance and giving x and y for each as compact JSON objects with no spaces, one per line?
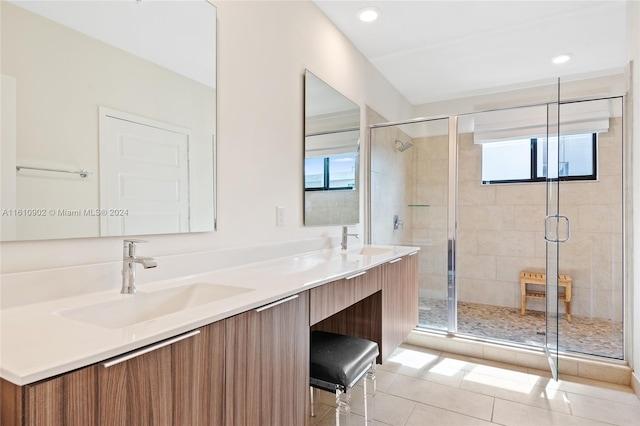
{"x":279,"y":302}
{"x":395,"y":260}
{"x":150,"y":348}
{"x":350,"y":277}
{"x":411,"y":254}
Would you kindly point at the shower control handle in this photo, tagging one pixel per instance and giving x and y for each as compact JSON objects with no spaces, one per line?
{"x":397,"y":223}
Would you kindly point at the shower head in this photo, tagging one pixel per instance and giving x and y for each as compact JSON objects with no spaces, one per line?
{"x":403,"y":146}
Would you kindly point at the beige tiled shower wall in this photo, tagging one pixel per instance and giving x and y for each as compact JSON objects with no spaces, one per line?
{"x":429,"y":213}
{"x":391,"y":183}
{"x":331,"y":207}
{"x":500,"y":233}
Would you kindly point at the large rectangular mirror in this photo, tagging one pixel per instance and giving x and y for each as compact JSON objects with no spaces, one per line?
{"x":108,"y":118}
{"x":331,"y":155}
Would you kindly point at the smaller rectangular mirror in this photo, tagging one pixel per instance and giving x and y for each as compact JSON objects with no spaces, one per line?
{"x":331,"y":155}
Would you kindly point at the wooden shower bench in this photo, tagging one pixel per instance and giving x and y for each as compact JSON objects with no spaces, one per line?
{"x":537,"y":278}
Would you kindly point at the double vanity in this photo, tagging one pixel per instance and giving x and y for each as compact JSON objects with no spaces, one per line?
{"x":224,"y":347}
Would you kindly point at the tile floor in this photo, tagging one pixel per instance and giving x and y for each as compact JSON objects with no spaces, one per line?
{"x":419,"y":387}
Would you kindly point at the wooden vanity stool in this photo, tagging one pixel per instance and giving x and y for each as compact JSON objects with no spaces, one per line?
{"x":537,"y":278}
{"x":337,"y":363}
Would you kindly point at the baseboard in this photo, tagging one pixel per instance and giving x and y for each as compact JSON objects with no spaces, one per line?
{"x":635,"y":383}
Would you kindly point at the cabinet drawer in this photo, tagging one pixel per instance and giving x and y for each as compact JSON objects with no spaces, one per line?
{"x":333,"y":297}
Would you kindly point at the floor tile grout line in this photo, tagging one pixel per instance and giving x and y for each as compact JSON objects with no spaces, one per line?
{"x":443,"y":407}
{"x":493,"y":409}
{"x":558,"y":412}
{"x":415,"y":404}
{"x":452,"y":411}
{"x":534,"y":406}
{"x":634,"y":404}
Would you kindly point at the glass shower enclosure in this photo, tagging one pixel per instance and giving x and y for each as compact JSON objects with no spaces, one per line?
{"x":491,"y":195}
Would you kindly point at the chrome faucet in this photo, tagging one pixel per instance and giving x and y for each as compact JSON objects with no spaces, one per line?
{"x":345,"y":235}
{"x":129,"y":260}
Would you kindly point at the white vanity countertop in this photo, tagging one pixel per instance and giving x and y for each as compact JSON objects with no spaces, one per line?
{"x":37,"y":341}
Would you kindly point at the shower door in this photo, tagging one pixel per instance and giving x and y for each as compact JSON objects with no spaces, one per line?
{"x":410,"y":204}
{"x":583,"y":227}
{"x":556,"y":231}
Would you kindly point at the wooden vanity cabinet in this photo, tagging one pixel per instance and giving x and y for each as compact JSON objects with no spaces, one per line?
{"x":198,"y":371}
{"x":381,"y":305}
{"x":177,"y":384}
{"x":267,"y":367}
{"x":69,"y":399}
{"x":137,"y":391}
{"x":399,"y":301}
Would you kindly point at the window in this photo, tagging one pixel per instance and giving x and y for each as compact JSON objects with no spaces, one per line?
{"x":525,"y":160}
{"x":330,"y":173}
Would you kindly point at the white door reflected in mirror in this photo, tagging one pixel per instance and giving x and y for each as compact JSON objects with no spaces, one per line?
{"x":144,"y":176}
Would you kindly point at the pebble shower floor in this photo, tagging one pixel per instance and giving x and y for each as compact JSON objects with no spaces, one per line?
{"x":584,"y":335}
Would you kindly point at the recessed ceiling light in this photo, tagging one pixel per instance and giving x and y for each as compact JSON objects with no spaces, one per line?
{"x":561,"y":59}
{"x":368,"y":14}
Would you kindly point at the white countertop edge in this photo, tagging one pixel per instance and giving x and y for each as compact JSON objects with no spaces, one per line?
{"x":252,"y":274}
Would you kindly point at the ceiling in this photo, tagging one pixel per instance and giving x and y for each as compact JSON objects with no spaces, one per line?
{"x":432,"y":51}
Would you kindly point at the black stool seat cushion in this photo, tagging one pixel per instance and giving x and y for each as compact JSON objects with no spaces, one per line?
{"x":338,"y":360}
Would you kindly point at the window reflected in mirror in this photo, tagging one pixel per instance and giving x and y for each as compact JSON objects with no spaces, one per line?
{"x":332,"y":148}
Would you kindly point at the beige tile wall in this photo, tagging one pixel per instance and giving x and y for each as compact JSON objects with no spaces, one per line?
{"x":429,"y":217}
{"x":500,"y":233}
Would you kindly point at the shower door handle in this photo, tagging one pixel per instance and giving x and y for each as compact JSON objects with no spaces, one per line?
{"x":557,"y":228}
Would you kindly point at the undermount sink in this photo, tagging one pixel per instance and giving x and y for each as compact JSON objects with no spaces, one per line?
{"x":144,"y":306}
{"x":372,"y":251}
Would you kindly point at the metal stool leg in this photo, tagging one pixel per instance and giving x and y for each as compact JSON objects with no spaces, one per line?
{"x":313,"y":393}
{"x":369,"y":384}
{"x":343,"y":407}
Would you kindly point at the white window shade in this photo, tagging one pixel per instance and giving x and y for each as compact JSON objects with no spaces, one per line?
{"x":328,"y":144}
{"x":531,"y":122}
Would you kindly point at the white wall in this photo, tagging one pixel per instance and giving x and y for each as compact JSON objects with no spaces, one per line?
{"x":264,"y":47}
{"x":8,"y":158}
{"x":633,"y":26}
